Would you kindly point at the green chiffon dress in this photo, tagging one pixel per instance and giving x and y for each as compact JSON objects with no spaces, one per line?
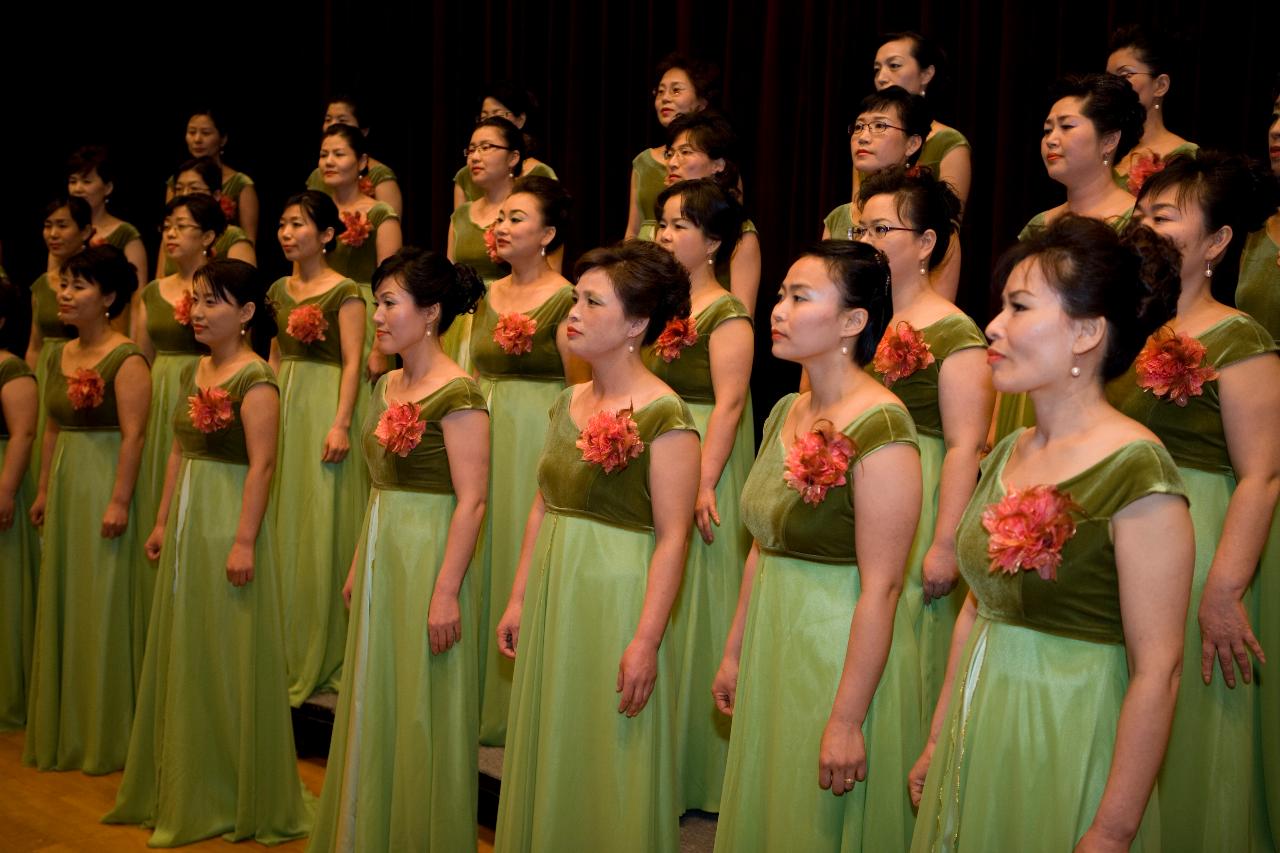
{"x":212,"y":746}
{"x":123,"y":235}
{"x":577,"y":774}
{"x":793,"y":652}
{"x":317,"y":505}
{"x":20,"y":557}
{"x":938,"y":146}
{"x":176,"y":350}
{"x":1258,"y":294}
{"x":52,"y":333}
{"x":232,"y":187}
{"x":379,"y":173}
{"x":1015,"y":410}
{"x":80,"y":704}
{"x":1123,"y":181}
{"x":463,"y":179}
{"x":932,"y":623}
{"x":1216,"y":731}
{"x":1023,"y":756}
{"x":651,"y":179}
{"x":402,"y":772}
{"x":469,"y":249}
{"x":358,"y":263}
{"x":230,"y":236}
{"x":518,"y":390}
{"x":703,"y":612}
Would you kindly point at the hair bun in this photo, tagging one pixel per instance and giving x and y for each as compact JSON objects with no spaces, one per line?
{"x":1159,"y":280}
{"x":467,"y":291}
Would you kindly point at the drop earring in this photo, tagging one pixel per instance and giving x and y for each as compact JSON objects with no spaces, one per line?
{"x":631,"y":347}
{"x":242,"y":330}
{"x":1075,"y":371}
{"x":1208,"y":270}
{"x":1106,"y":159}
{"x":924,"y":269}
{"x":844,"y":349}
{"x":543,"y":251}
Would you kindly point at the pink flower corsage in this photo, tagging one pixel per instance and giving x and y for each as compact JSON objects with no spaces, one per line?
{"x":902,"y":351}
{"x":307,"y":324}
{"x":491,"y":244}
{"x":514,"y":333}
{"x":229,"y":207}
{"x":182,"y":309}
{"x":98,"y":241}
{"x":85,"y":389}
{"x":1028,"y":530}
{"x":610,"y":440}
{"x":357,"y":230}
{"x":366,"y":186}
{"x":1143,"y":167}
{"x":817,"y":461}
{"x":399,"y":429}
{"x":680,"y":334}
{"x":210,"y":409}
{"x":1171,"y":365}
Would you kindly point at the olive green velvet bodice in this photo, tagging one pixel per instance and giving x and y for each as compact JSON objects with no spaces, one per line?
{"x":11,"y":368}
{"x":46,"y":318}
{"x":328,"y":350}
{"x":939,"y":145}
{"x":1258,"y":289}
{"x":426,"y":468}
{"x":1083,"y":602}
{"x":228,"y":443}
{"x":919,"y":391}
{"x":100,"y":417}
{"x":359,"y":262}
{"x":469,"y":247}
{"x":543,"y":362}
{"x":689,"y":373}
{"x":166,"y":333}
{"x":777,"y":516}
{"x":573,"y":486}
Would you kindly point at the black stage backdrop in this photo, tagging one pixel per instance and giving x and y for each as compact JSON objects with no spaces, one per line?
{"x":791,"y":72}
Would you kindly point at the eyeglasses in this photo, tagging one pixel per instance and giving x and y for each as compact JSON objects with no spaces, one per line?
{"x":483,"y":148}
{"x":1126,"y":73}
{"x":675,"y":91}
{"x":682,"y":152}
{"x":877,"y":128}
{"x":178,"y":226}
{"x":878,"y":232}
{"x":484,"y":114}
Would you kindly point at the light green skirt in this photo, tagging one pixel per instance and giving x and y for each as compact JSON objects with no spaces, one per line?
{"x":80,"y":707}
{"x":20,"y":557}
{"x":212,"y":746}
{"x":1267,"y":629}
{"x":402,"y":772}
{"x":793,"y":652}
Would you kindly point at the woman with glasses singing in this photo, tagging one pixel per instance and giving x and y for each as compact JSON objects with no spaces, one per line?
{"x":1143,"y":60}
{"x":934,"y":358}
{"x":518,"y":106}
{"x":379,"y":182}
{"x":684,"y":86}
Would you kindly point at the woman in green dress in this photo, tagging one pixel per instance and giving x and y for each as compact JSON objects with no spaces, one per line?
{"x":685,"y":85}
{"x":67,"y":230}
{"x":1144,"y":59}
{"x":935,"y":359}
{"x":162,"y":330}
{"x":203,"y":176}
{"x":319,"y":492}
{"x":81,"y":696}
{"x":402,"y":771}
{"x":522,"y":360}
{"x":371,"y":234}
{"x":825,"y":710}
{"x":590,"y":755}
{"x":1258,"y":288}
{"x":703,"y":145}
{"x":1077,"y":547}
{"x":19,"y":543}
{"x":1205,"y":385}
{"x":207,"y":137}
{"x":212,"y":746}
{"x":91,"y":176}
{"x":379,"y":182}
{"x":1094,"y":120}
{"x":517,"y":105}
{"x":706,"y":359}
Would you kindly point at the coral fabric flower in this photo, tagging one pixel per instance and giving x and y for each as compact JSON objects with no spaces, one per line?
{"x":182,"y":309}
{"x":1028,"y":530}
{"x":514,"y":333}
{"x":357,"y":230}
{"x":307,"y":324}
{"x":98,"y":241}
{"x":1143,"y":167}
{"x":366,"y":186}
{"x":85,"y":389}
{"x":399,"y":429}
{"x":1171,"y":365}
{"x":229,"y":207}
{"x":610,"y":440}
{"x":679,"y":334}
{"x":902,"y":351}
{"x":817,"y":461}
{"x":491,"y":244}
{"x":210,"y":409}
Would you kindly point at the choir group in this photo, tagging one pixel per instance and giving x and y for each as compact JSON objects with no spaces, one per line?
{"x":1001,"y":589}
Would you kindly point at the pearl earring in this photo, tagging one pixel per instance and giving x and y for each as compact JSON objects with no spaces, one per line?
{"x":1208,"y":270}
{"x":428,"y":333}
{"x":844,"y":349}
{"x":242,"y":330}
{"x":543,"y":251}
{"x":711,"y":260}
{"x":1157,"y":103}
{"x":1106,"y":159}
{"x":1075,"y":370}
{"x":631,"y":348}
{"x":924,"y":269}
